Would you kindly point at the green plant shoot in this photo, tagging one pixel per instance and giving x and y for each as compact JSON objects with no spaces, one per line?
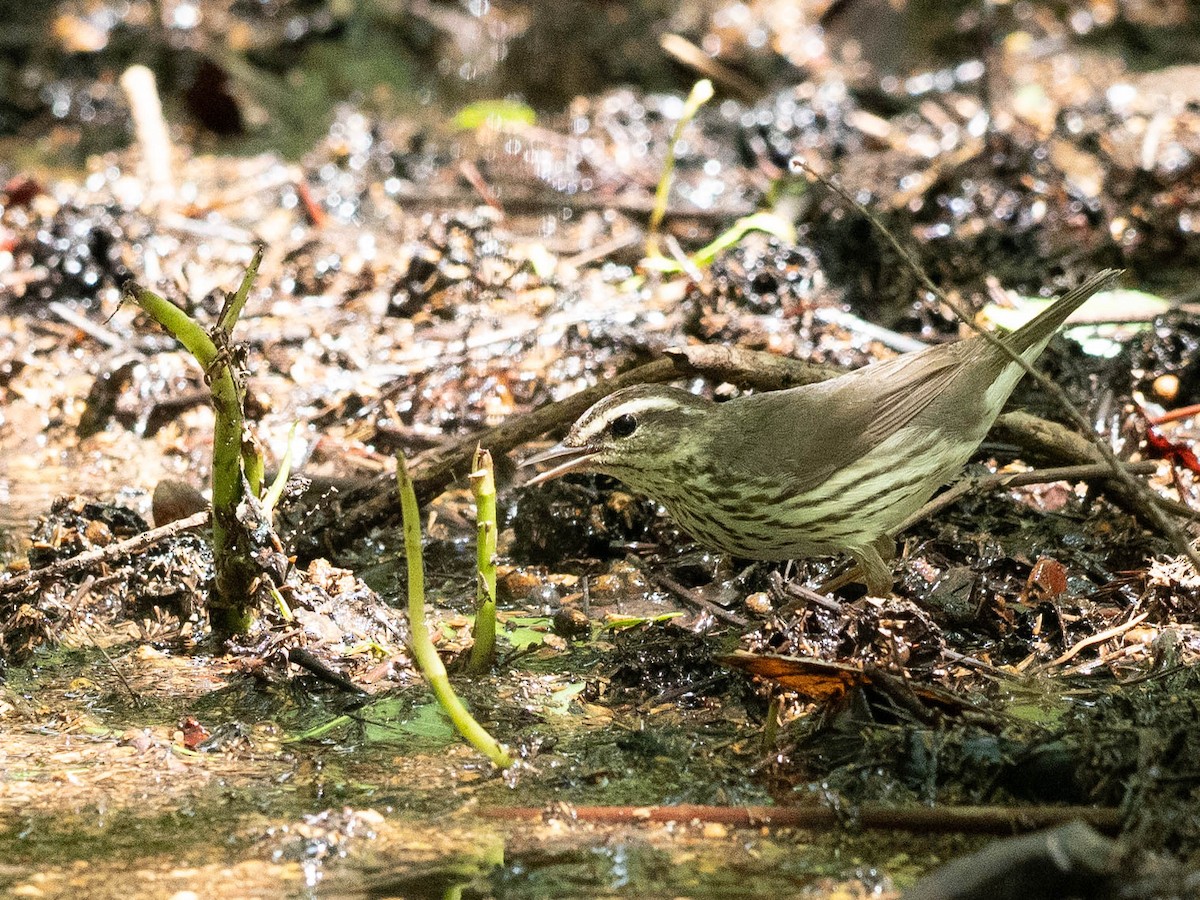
{"x":766,"y":222}
{"x":483,"y":486}
{"x":424,"y":652}
{"x":234,"y":454}
{"x":701,"y":93}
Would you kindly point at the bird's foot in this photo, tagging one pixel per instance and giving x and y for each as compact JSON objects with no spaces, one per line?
{"x":874,"y":571}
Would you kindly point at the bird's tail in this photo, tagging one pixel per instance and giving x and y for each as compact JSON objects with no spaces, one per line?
{"x":1036,"y":332}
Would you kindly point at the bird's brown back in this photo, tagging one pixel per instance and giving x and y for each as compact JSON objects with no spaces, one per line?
{"x":806,"y":434}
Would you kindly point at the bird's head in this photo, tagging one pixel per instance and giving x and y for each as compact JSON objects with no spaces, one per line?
{"x":636,"y":434}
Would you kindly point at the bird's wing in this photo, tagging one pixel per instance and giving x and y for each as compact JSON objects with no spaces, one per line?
{"x":890,"y":394}
{"x":806,"y":434}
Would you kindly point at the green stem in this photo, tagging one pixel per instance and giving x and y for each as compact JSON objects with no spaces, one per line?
{"x":230,"y":610}
{"x":483,"y":485}
{"x":702,"y":92}
{"x":275,"y":491}
{"x":233,"y":308}
{"x":424,"y":652}
{"x":770,"y":734}
{"x":252,"y":458}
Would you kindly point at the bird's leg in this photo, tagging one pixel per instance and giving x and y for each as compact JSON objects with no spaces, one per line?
{"x":876,"y":572}
{"x":885,"y":546}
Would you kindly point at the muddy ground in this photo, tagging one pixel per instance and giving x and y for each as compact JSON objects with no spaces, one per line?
{"x":436,"y":273}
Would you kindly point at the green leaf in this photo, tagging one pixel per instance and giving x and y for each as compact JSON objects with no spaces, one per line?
{"x":561,"y":699}
{"x":385,"y":724}
{"x":494,"y":113}
{"x":526,"y":631}
{"x":766,"y":222}
{"x":620,"y":623}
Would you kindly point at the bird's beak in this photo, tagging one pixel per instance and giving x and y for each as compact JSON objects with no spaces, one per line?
{"x":569,"y":459}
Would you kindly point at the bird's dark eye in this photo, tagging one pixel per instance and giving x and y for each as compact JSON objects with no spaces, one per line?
{"x":623,"y":426}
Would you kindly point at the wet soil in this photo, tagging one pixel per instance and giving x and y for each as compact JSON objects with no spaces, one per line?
{"x":427,"y":277}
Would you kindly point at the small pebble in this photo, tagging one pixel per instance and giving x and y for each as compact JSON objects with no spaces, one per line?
{"x":174,"y":500}
{"x":98,"y":534}
{"x":759,"y":603}
{"x":517,"y":584}
{"x":1166,"y":387}
{"x":571,"y":622}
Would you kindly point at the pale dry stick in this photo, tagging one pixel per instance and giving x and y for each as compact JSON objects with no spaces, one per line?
{"x":691,"y":597}
{"x":997,"y":480}
{"x":94,"y":330}
{"x":931,"y":175}
{"x":1098,"y":638}
{"x":1108,"y":659}
{"x":901,"y":343}
{"x":972,"y":663}
{"x":16,"y":282}
{"x":215,"y":229}
{"x":470,"y":172}
{"x":150,"y":127}
{"x":965,"y":819}
{"x":1132,"y":484}
{"x":678,"y":254}
{"x":127,"y":547}
{"x":695,"y":58}
{"x":602,"y":250}
{"x":808,"y":595}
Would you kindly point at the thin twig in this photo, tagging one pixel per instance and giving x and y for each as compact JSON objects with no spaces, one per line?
{"x":82,"y":591}
{"x":1099,"y":638}
{"x":310,"y":662}
{"x":1132,"y":484}
{"x":153,"y":137}
{"x":137,"y":700}
{"x":93,"y":329}
{"x":696,"y":58}
{"x":808,"y":595}
{"x":687,"y":595}
{"x":135,"y":544}
{"x":1106,"y":658}
{"x":1051,"y":440}
{"x":901,"y":343}
{"x":956,"y":491}
{"x":602,"y":250}
{"x":944,"y":819}
{"x":972,"y":663}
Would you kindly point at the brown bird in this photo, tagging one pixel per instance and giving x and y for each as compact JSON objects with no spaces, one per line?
{"x":817,"y":469}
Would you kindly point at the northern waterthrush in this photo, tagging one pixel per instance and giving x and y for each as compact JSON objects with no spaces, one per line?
{"x":817,"y":469}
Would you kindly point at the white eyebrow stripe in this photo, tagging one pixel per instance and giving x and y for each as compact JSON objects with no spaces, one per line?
{"x":633,"y":408}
